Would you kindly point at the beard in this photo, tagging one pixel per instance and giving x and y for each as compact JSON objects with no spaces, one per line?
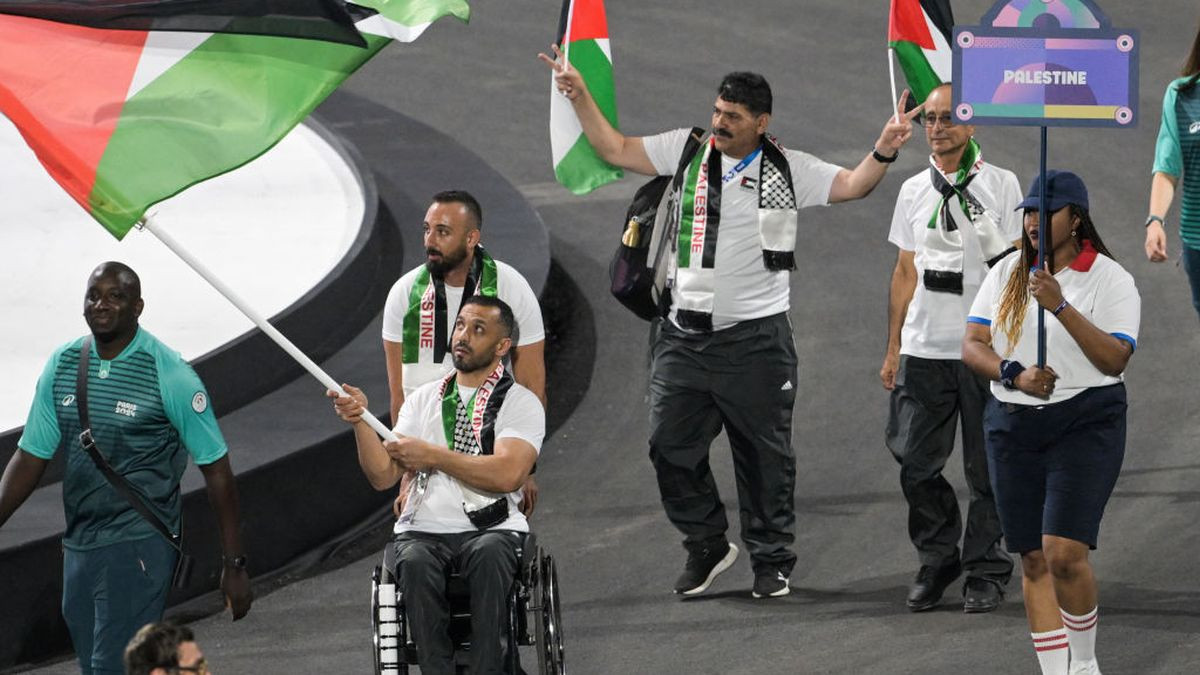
{"x":448,"y":262}
{"x":470,"y":362}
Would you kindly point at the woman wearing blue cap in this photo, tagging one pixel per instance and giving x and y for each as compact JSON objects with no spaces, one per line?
{"x":1176,"y":156}
{"x":1055,"y":435}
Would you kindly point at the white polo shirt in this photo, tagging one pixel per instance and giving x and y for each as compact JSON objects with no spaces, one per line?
{"x":1098,"y":288}
{"x":934,"y":325}
{"x":511,"y":287}
{"x":744,"y":288}
{"x":441,"y":509}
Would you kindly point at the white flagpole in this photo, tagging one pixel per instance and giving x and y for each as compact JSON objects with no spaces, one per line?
{"x":259,"y":320}
{"x":892,"y":73}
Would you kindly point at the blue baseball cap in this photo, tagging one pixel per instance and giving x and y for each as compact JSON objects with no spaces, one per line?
{"x":1062,"y":188}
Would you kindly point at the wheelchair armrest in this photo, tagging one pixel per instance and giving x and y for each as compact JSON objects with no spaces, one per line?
{"x":527,"y":552}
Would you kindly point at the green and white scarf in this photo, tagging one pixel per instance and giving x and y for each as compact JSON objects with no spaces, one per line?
{"x":469,"y":428}
{"x":942,"y":254}
{"x":699,"y":219}
{"x":426,"y":339}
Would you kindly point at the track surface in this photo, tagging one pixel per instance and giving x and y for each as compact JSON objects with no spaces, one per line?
{"x":599,"y":512}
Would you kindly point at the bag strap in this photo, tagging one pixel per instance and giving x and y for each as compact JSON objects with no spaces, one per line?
{"x":115,"y":479}
{"x":689,"y":151}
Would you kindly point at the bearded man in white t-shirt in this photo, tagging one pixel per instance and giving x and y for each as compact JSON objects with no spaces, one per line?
{"x":471,"y":439}
{"x":418,"y":317}
{"x":724,"y":357}
{"x":952,"y":222}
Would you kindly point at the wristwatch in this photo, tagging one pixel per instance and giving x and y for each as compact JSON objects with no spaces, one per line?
{"x":1009,"y":370}
{"x":883,"y":159}
{"x":237,"y":562}
{"x":1153,"y":218}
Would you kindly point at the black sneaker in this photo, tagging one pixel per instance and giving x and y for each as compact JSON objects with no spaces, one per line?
{"x":926,"y":590}
{"x":704,"y":566}
{"x":770,"y":583}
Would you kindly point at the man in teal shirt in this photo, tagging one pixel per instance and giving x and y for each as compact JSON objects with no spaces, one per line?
{"x":148,"y":411}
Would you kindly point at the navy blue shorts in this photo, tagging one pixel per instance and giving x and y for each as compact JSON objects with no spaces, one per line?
{"x":1053,"y":467}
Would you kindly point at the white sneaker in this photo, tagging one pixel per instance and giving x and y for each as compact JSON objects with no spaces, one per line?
{"x":1084,"y":668}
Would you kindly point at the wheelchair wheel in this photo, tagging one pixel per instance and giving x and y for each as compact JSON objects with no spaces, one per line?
{"x":548,"y":618}
{"x":386,"y":631}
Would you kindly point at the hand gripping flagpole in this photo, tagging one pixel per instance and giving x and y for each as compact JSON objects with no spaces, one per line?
{"x":259,"y":320}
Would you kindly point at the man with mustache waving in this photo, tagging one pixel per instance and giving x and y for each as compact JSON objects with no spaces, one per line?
{"x":471,"y":438}
{"x":723,"y":356}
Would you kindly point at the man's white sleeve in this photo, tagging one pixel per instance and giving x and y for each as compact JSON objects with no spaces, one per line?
{"x":526,"y":309}
{"x":1010,"y":225}
{"x":523,"y":417}
{"x":394,"y":310}
{"x":901,"y":233}
{"x":812,"y":178}
{"x":665,"y":150}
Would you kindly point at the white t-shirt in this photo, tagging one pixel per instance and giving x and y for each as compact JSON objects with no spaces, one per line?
{"x":511,"y":287}
{"x":744,"y":288}
{"x":441,"y":508}
{"x":1098,"y":288}
{"x":934,"y":325}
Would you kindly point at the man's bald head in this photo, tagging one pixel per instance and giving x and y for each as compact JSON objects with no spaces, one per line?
{"x":129,"y":280}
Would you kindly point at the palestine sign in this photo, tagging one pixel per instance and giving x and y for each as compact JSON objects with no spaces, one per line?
{"x":1045,"y":63}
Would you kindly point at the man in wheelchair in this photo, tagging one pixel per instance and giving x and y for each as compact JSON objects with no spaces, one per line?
{"x":466,"y":444}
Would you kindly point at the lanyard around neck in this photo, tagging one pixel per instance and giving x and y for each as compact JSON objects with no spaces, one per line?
{"x":740,"y":165}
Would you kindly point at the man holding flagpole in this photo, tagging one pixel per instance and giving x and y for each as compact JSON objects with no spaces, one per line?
{"x":724,"y":356}
{"x":476,"y":433}
{"x":951,"y":222}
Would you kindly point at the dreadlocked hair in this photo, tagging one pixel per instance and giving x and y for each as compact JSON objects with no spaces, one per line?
{"x":1010,"y":316}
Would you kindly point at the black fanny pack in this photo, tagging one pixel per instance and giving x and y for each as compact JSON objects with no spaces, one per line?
{"x":489,"y":516}
{"x":942,"y":281}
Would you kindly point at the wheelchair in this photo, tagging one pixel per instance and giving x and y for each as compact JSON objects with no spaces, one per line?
{"x":534,"y":615}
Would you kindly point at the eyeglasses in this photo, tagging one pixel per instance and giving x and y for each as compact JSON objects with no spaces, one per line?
{"x":201,"y":668}
{"x":946,"y":119}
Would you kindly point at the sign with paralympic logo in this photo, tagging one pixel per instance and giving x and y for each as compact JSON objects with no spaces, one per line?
{"x":1045,"y":63}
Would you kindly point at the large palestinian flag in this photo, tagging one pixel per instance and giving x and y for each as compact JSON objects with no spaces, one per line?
{"x":129,"y":103}
{"x":583,"y":36}
{"x":920,"y":32}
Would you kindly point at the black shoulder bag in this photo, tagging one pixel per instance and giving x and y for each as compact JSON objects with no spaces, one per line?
{"x":638,"y":281}
{"x":183,"y":562}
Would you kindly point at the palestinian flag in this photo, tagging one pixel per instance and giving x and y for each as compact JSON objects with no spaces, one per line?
{"x":583,"y":37}
{"x":920,"y":32}
{"x":315,"y":19}
{"x":125,"y":117}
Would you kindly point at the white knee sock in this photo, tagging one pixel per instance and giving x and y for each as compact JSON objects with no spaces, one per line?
{"x":1081,"y":632}
{"x":1052,"y":651}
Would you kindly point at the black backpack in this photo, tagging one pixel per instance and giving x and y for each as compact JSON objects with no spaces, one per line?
{"x":638,"y":280}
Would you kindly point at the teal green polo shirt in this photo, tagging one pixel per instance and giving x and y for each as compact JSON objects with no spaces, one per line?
{"x":1177,"y":154}
{"x":148,"y":411}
